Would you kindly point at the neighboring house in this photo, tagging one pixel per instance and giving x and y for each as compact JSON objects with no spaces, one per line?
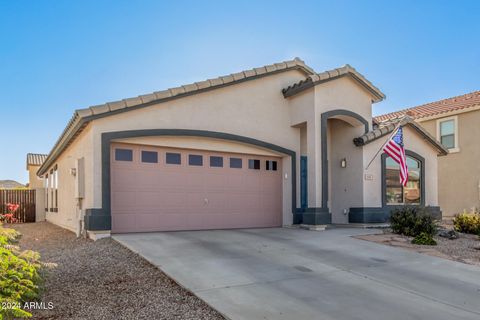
{"x":34,"y":161}
{"x":455,"y":122}
{"x":10,"y":184}
{"x":265,"y":147}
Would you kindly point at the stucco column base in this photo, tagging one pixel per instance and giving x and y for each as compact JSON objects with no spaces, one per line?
{"x":316,"y":216}
{"x":97,"y":235}
{"x":367,"y":215}
{"x":97,"y":219}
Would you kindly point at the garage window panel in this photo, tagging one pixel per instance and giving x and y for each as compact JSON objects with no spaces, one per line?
{"x":195,"y":160}
{"x":123,"y":154}
{"x":173,"y":158}
{"x":271,"y":165}
{"x":254,"y":164}
{"x":149,"y":156}
{"x":236,"y":163}
{"x":216,"y":162}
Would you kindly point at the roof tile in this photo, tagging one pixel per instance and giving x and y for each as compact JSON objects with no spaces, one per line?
{"x":227,"y":79}
{"x":190,"y":87}
{"x":260,"y":71}
{"x":147,"y":97}
{"x":177,"y":90}
{"x":203,"y":84}
{"x":98,"y":109}
{"x":115,"y":105}
{"x":238,"y":76}
{"x":435,"y":108}
{"x":130,"y":102}
{"x":163,"y":94}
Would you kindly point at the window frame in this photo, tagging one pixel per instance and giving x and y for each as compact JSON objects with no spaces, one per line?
{"x":234,"y":160}
{"x":271,"y":165}
{"x":421,"y":161}
{"x":176,"y":154}
{"x":456,"y":147}
{"x":123,"y":149}
{"x":254,"y":162}
{"x":211,"y":165}
{"x":191,"y":162}
{"x":142,"y":160}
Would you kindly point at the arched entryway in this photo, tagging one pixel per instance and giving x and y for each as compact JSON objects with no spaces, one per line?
{"x":342,"y":162}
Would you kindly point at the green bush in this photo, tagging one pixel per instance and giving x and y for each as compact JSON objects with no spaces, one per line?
{"x":19,"y":276}
{"x":424,"y":239}
{"x":467,"y":223}
{"x":412,"y":221}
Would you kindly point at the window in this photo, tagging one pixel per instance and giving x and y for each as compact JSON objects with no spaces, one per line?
{"x":396,"y":194}
{"x":52,"y":188}
{"x":254,"y":164}
{"x":46,"y":191}
{"x":55,"y":187}
{"x":123,"y":155}
{"x":173,"y":158}
{"x":150,"y":156}
{"x":447,"y":133}
{"x":271,"y":165}
{"x":216,"y":161}
{"x":236,"y":163}
{"x":195,"y":160}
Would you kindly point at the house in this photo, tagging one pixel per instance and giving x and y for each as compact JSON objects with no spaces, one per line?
{"x":34,"y":161}
{"x":454,"y":122}
{"x":10,"y":184}
{"x":266,"y":147}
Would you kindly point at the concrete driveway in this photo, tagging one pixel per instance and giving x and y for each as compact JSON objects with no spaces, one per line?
{"x":298,"y":274}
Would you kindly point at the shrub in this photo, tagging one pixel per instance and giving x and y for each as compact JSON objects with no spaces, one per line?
{"x":412,"y":221}
{"x":424,"y":239}
{"x":467,"y":223}
{"x":19,"y":276}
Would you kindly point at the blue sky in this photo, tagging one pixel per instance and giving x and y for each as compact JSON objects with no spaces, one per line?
{"x":57,"y":56}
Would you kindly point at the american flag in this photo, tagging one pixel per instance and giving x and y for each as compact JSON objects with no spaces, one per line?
{"x":394,"y":148}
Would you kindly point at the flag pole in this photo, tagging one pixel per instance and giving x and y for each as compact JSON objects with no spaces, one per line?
{"x":386,"y":141}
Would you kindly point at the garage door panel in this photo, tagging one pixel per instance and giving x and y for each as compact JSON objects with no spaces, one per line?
{"x":163,"y":197}
{"x":122,"y":199}
{"x":124,"y":179}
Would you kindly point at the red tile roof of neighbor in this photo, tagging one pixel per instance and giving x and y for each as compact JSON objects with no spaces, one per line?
{"x":435,"y":108}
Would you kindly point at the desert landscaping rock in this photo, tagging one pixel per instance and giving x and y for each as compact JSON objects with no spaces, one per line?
{"x":104,"y":280}
{"x":463,"y":249}
{"x":449,"y":234}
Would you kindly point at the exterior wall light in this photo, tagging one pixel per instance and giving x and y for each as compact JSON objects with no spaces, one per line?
{"x":73,"y":171}
{"x":343,"y":163}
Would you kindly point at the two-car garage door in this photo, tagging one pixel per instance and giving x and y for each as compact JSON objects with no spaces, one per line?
{"x":161,"y":189}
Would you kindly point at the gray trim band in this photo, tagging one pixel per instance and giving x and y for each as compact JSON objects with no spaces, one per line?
{"x":100,"y":219}
{"x":382,"y":215}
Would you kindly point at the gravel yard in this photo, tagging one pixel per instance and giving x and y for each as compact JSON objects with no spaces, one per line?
{"x":104,"y":280}
{"x":461,"y":249}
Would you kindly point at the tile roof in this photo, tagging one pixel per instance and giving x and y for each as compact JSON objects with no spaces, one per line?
{"x":35,"y":159}
{"x":387,"y":127}
{"x":318,"y":78}
{"x":436,"y":108}
{"x":10,"y":184}
{"x":81,"y":117}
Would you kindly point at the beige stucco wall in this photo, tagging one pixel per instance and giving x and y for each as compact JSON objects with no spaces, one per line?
{"x":459,"y":172}
{"x":67,"y":215}
{"x":343,"y":93}
{"x":254,"y":109}
{"x":34,"y":181}
{"x":372,"y":194}
{"x":345,"y":184}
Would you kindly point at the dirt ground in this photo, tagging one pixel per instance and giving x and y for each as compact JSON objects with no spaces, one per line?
{"x":461,"y":249}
